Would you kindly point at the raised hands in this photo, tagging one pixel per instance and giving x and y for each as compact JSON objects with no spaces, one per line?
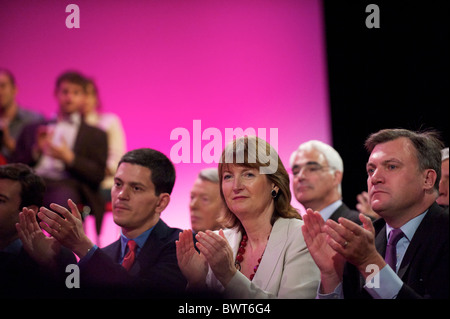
{"x":66,"y":227}
{"x":218,"y":254}
{"x":355,"y":243}
{"x":331,"y":244}
{"x":330,"y":262}
{"x":40,"y":247}
{"x":214,"y":250}
{"x":192,"y":264}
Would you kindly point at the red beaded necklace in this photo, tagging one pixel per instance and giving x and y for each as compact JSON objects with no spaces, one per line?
{"x":240,"y":256}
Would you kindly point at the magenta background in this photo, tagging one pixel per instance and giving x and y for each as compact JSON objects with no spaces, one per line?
{"x":161,"y":64}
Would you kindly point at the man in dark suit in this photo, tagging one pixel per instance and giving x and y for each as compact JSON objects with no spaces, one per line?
{"x":403,"y":175}
{"x":143,"y":183}
{"x":69,"y":154}
{"x":20,"y":275}
{"x":318,"y":171}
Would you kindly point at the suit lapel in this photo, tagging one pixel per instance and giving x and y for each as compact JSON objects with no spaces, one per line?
{"x":275,"y":246}
{"x":421,"y":237}
{"x":150,"y":249}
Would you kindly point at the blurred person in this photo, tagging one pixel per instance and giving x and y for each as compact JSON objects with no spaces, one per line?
{"x":13,"y":117}
{"x":262,"y":254}
{"x":318,"y":170}
{"x":20,"y":275}
{"x":142,"y":263}
{"x":443,"y":183}
{"x":206,"y":206}
{"x":112,"y":125}
{"x":406,"y":250}
{"x":69,"y":154}
{"x":109,"y":122}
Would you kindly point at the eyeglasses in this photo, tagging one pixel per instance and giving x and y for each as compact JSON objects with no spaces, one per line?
{"x":309,"y":169}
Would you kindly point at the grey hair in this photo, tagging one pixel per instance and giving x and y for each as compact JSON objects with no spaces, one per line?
{"x":332,"y":156}
{"x":444,"y":153}
{"x":209,"y":174}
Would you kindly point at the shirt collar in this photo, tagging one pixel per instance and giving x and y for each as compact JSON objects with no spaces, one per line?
{"x":410,"y":227}
{"x":140,"y":240}
{"x":73,"y":118}
{"x":330,"y":209}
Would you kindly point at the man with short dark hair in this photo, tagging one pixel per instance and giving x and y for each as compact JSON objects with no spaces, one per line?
{"x":405,"y":253}
{"x":20,"y":275}
{"x":69,"y":154}
{"x":142,"y":262}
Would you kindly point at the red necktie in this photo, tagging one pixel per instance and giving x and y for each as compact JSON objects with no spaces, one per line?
{"x":128,"y":260}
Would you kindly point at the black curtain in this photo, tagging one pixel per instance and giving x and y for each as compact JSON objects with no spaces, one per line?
{"x":393,"y":76}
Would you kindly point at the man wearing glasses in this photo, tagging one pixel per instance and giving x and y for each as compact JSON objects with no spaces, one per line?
{"x":317,"y":170}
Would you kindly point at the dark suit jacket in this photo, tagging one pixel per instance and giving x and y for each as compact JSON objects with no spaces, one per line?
{"x":344,"y":211}
{"x":155,"y":272}
{"x":22,"y":277}
{"x":425,"y":267}
{"x":88,"y":168}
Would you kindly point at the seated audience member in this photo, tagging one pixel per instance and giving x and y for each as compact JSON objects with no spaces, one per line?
{"x":262,"y":254}
{"x":443,"y":183}
{"x":13,"y":117}
{"x":206,"y":205}
{"x":112,"y":125}
{"x":20,"y":275}
{"x":404,"y":254}
{"x":69,"y":154}
{"x":318,"y":170}
{"x":142,"y":262}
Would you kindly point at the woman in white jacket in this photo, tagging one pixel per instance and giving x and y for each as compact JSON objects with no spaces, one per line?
{"x":262,"y":253}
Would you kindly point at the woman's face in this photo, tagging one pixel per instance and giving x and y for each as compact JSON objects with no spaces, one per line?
{"x":247,"y":192}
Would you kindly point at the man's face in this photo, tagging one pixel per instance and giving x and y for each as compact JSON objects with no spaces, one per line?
{"x":134,"y":202}
{"x":205,"y":206}
{"x":70,"y":97}
{"x":7,"y":91}
{"x":443,"y":184}
{"x":394,"y":181}
{"x":9,"y":207}
{"x":313,"y":180}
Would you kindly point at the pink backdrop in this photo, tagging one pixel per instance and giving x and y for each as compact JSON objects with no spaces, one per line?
{"x":162,"y":64}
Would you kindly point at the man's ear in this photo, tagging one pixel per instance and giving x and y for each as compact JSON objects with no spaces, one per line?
{"x":338,"y":177}
{"x":164,"y":200}
{"x":430,"y":176}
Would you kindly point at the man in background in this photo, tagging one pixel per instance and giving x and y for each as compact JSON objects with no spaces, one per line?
{"x":318,"y":170}
{"x":69,"y":154}
{"x":206,"y":206}
{"x":12,"y":116}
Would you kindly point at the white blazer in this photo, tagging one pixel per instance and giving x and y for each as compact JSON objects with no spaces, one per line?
{"x":287,"y":269}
